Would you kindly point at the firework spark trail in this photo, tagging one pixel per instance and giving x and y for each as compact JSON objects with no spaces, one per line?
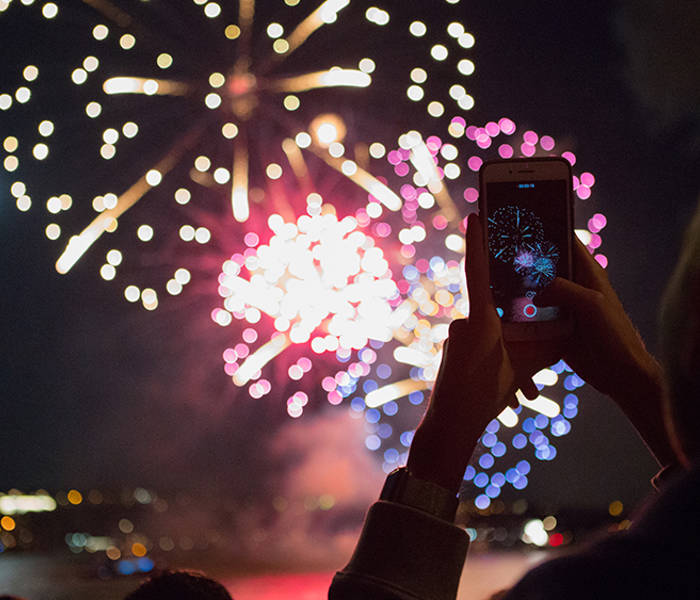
{"x":234,"y":95}
{"x":79,"y":244}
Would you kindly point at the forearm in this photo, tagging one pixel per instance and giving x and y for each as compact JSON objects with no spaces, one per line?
{"x":441,"y":455}
{"x":467,"y":395}
{"x":430,"y":460}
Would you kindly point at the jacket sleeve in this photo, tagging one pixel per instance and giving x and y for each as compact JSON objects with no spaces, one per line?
{"x":403,"y":554}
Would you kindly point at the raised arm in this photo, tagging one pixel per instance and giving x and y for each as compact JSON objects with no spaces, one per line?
{"x":409,"y":549}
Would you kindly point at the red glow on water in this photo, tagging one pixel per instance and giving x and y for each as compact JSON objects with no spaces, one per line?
{"x":309,"y":586}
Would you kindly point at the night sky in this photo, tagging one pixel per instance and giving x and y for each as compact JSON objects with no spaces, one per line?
{"x":91,"y":388}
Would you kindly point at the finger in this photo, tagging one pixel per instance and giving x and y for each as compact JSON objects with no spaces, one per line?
{"x":587,"y":270}
{"x":530,"y":356}
{"x":476,"y":265}
{"x":563,"y":292}
{"x":443,"y":362}
{"x":513,"y":402}
{"x":584,"y":264}
{"x":528,"y":388}
{"x":457,"y":330}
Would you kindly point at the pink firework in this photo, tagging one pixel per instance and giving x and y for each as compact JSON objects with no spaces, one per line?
{"x":319,"y":282}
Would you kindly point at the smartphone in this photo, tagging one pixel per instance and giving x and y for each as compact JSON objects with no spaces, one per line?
{"x":526,"y":209}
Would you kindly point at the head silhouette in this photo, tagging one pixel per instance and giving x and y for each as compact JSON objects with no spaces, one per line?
{"x":680,"y":346}
{"x":179,"y":585}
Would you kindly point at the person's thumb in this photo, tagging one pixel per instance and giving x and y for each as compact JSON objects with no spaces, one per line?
{"x":562,"y":292}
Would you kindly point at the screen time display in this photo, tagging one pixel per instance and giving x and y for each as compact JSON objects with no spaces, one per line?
{"x":528,"y":240}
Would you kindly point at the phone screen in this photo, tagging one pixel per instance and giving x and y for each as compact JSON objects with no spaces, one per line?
{"x":528,"y":243}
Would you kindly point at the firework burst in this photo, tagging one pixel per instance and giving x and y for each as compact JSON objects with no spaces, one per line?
{"x":228,"y":105}
{"x":206,"y":101}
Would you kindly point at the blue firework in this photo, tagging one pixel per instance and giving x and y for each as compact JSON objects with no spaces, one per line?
{"x":538,"y":263}
{"x":525,"y":259}
{"x":512,"y":229}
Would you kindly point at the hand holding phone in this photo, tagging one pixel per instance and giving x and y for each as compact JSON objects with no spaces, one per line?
{"x":526,"y":210}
